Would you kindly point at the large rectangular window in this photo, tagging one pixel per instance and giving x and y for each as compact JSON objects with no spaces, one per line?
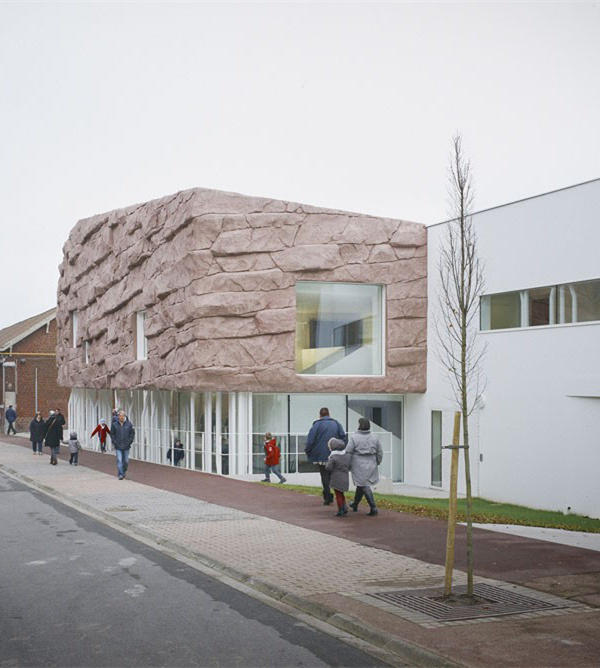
{"x":339,"y":329}
{"x":549,"y":305}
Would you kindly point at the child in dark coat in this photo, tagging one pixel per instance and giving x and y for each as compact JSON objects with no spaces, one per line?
{"x":339,"y":466}
{"x":74,"y":447}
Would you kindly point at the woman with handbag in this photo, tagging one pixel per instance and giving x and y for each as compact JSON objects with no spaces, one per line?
{"x":53,"y":434}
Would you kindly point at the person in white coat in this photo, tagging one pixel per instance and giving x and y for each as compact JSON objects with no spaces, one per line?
{"x":367,"y":454}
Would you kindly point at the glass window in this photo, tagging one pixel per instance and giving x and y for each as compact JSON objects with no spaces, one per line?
{"x":542,"y":307}
{"x":436,"y":448}
{"x":501,"y":311}
{"x":582,"y":301}
{"x":339,"y":329}
{"x":74,"y":321}
{"x":562,"y":304}
{"x":141,"y":340}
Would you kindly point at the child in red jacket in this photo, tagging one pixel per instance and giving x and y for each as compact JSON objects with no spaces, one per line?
{"x":272,"y":455}
{"x":102,"y":430}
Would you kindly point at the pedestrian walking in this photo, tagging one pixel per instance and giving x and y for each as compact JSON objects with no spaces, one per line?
{"x":178,"y":450}
{"x":74,"y":448}
{"x":11,"y":417}
{"x":272,"y":457}
{"x":317,"y":450}
{"x":122,"y":434}
{"x":102,"y":430}
{"x":367,"y":453}
{"x":53,"y":434}
{"x":36,"y":433}
{"x":338,"y":466}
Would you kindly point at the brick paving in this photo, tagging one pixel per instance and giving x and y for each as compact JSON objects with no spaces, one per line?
{"x":326,"y":570}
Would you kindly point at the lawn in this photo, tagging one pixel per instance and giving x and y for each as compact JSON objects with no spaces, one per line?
{"x":484,"y":511}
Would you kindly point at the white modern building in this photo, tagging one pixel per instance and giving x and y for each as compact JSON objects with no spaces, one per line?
{"x":214,"y":317}
{"x":536,"y":439}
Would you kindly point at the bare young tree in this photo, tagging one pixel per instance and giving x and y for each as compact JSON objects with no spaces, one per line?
{"x":461,"y":284}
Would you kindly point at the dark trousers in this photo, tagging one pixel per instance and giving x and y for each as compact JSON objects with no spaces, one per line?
{"x":367,"y":493}
{"x":11,"y":425}
{"x":325,"y":478}
{"x":73,"y":458}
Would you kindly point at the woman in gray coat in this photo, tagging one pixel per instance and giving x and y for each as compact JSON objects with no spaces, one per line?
{"x":367,"y":454}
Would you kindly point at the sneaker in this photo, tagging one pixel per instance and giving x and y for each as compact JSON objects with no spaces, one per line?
{"x":282,"y":481}
{"x":120,"y":477}
{"x":265,"y":480}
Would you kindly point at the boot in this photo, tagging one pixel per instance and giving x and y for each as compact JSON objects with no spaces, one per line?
{"x":371,"y":502}
{"x":358,"y":495}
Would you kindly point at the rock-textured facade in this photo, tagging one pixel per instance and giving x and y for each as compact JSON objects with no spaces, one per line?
{"x":216,"y":274}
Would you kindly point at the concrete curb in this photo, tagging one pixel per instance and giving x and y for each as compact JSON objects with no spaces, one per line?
{"x":402,"y":649}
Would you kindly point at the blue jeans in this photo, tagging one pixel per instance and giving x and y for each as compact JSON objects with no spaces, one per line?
{"x":275,"y":470}
{"x":37,"y":445}
{"x":54,"y":453}
{"x":122,"y":461}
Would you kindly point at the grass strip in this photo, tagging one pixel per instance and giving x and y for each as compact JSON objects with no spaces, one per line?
{"x":484,"y":511}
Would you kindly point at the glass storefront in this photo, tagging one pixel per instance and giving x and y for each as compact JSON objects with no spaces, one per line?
{"x":224,"y":432}
{"x":289,"y":418}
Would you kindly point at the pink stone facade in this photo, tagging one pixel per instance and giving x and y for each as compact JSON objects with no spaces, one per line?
{"x":216,"y":274}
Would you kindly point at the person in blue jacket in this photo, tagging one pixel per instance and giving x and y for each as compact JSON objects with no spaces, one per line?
{"x":11,"y":416}
{"x":317,"y":449}
{"x":122,"y":434}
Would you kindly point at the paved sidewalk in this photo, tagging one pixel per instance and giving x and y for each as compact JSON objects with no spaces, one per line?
{"x":291,"y":548}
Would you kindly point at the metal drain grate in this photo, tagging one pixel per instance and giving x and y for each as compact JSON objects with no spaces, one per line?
{"x":497,"y":602}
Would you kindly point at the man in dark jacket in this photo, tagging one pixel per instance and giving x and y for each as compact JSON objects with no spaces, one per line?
{"x":11,"y":416}
{"x":317,"y":450}
{"x":122,"y":434}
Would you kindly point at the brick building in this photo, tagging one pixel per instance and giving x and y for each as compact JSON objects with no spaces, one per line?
{"x":29,"y":372}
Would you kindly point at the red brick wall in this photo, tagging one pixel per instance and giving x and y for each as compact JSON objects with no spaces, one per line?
{"x":50,"y":394}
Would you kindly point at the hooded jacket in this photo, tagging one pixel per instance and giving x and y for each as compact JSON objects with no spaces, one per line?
{"x":339,"y":465}
{"x":73,"y":443}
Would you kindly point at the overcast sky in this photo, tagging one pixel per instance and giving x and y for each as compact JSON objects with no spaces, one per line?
{"x":344,"y":105}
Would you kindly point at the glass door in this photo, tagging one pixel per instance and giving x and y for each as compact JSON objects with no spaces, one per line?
{"x":385,"y":415}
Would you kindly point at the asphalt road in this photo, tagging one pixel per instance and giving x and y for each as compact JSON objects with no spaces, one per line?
{"x":74,"y":592}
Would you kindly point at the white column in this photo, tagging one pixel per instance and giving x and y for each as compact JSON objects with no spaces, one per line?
{"x":233,"y":434}
{"x":190,"y":460}
{"x":573,"y":304}
{"x":524,"y":308}
{"x":218,"y":432}
{"x":207,"y":451}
